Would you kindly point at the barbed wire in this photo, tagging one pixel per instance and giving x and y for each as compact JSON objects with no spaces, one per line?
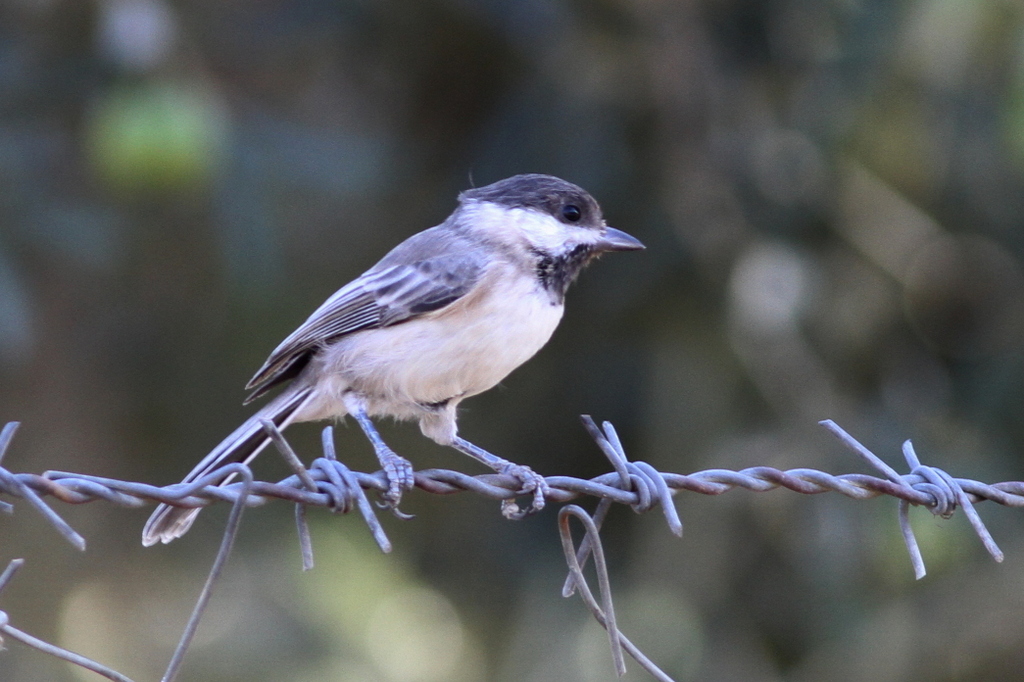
{"x":328,"y":483}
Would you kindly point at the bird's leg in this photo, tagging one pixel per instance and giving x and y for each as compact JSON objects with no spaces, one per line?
{"x":397,"y":469}
{"x":531,"y":481}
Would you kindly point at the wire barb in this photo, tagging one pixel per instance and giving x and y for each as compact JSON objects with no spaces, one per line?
{"x":943,"y":493}
{"x":289,"y":456}
{"x":638,"y":477}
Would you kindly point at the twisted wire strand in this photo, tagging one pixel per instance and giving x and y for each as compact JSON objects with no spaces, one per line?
{"x":75,"y":488}
{"x":327,"y":482}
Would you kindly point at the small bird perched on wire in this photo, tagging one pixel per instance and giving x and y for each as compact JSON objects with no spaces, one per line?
{"x":447,"y":314}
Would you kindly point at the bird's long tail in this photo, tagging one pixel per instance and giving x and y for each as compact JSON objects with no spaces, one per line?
{"x":168,"y":522}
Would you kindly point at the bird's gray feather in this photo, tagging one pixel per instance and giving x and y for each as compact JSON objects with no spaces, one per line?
{"x":427,"y":272}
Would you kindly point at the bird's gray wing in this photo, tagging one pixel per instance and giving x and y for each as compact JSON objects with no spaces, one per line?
{"x":386,"y":295}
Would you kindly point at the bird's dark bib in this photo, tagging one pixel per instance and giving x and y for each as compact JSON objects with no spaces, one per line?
{"x":556,"y":273}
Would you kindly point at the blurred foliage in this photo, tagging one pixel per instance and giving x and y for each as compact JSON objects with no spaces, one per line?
{"x":157,"y":138}
{"x":831,"y":193}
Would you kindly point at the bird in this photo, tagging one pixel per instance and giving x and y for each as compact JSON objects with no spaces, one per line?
{"x":445,"y":315}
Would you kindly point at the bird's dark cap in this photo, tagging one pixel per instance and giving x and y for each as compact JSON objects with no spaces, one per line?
{"x":546,"y":193}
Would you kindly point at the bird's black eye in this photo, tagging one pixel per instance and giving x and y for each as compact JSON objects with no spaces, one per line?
{"x":571,"y":212}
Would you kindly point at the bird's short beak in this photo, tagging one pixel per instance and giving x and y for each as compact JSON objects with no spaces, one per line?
{"x":617,"y":240}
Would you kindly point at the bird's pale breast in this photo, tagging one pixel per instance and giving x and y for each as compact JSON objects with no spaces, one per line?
{"x":454,"y":353}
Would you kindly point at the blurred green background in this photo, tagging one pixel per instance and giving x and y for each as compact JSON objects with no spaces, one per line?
{"x":832,"y":196}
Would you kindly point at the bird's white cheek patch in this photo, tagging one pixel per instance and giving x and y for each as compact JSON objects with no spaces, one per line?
{"x":549,"y":235}
{"x":540,"y":230}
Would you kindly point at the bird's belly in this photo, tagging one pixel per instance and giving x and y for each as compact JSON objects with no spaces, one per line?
{"x":461,"y":351}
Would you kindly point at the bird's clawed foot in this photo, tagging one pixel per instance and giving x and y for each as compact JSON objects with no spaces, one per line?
{"x":530,"y":482}
{"x":397,"y":470}
{"x":399,"y":474}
